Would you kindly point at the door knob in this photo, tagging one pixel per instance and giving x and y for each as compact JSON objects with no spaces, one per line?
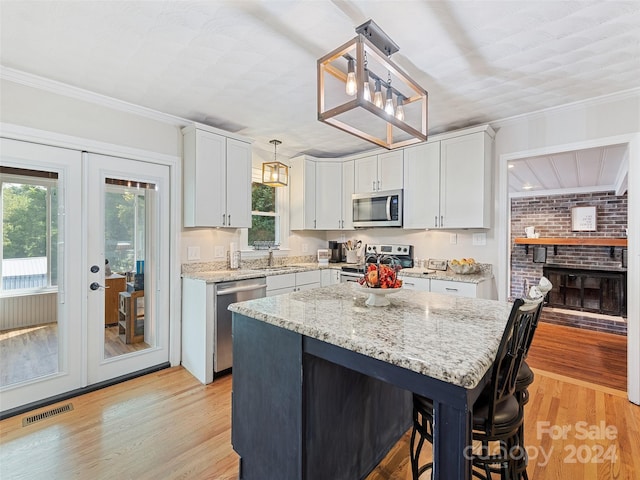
{"x":96,"y":286}
{"x":95,"y":268}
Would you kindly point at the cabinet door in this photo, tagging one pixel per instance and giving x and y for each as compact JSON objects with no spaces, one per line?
{"x":238,"y":199}
{"x":422,"y":186}
{"x":390,"y":168}
{"x":366,"y":174}
{"x":285,"y":281}
{"x":302,"y":194}
{"x":204,"y":179}
{"x":465,"y":181}
{"x":348,"y":179}
{"x":310,"y":277}
{"x":328,"y":195}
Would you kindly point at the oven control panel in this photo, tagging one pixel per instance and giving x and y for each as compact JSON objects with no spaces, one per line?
{"x":398,"y":250}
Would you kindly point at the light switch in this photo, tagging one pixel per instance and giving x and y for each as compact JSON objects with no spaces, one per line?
{"x":193,"y":253}
{"x":453,"y":238}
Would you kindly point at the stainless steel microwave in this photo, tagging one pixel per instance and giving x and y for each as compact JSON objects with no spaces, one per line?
{"x":377,"y":209}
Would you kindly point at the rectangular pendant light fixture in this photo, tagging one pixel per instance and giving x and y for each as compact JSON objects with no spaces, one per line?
{"x":275,"y":174}
{"x":362,"y":92}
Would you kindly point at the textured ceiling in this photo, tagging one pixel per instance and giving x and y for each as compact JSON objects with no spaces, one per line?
{"x":250,"y":66}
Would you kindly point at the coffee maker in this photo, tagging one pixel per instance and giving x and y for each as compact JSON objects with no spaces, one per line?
{"x":337,"y":251}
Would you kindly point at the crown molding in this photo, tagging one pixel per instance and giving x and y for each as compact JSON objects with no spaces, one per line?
{"x":616,"y":96}
{"x":53,"y":86}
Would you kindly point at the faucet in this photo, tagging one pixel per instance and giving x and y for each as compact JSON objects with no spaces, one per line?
{"x":270,"y":262}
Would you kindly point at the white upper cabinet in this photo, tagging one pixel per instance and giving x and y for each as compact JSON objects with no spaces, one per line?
{"x":421,"y":186}
{"x":465,"y":181}
{"x":302,"y":194}
{"x":320,"y":194}
{"x":448,"y":182}
{"x":348,"y":181}
{"x":328,"y":195}
{"x":217,"y":180}
{"x":379,"y":172}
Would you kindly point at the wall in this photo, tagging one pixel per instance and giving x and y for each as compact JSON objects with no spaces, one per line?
{"x":551,"y":217}
{"x":40,"y":109}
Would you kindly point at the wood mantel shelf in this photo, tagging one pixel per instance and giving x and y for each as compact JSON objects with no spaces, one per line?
{"x":585,"y":241}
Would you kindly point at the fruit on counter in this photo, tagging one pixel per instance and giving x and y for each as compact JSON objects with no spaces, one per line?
{"x":463,"y":261}
{"x":380,"y":276}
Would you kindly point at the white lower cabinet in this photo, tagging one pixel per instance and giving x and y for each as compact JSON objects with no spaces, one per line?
{"x":329,"y":276}
{"x":292,"y":282}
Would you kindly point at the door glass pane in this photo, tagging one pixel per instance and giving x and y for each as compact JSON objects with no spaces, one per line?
{"x":28,"y":292}
{"x":128,"y":231}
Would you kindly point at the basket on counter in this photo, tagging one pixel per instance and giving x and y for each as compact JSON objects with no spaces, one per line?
{"x":464,"y":266}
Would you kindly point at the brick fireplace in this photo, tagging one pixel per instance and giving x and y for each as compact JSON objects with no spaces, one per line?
{"x":551,"y":217}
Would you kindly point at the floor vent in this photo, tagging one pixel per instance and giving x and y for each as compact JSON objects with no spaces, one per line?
{"x":49,"y":413}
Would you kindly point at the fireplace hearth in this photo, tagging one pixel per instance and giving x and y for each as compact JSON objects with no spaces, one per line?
{"x":587,"y":290}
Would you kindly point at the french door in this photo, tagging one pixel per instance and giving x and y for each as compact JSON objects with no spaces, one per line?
{"x":127,"y":219}
{"x":66,"y":320}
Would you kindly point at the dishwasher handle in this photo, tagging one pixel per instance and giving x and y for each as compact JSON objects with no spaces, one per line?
{"x":229,"y":291}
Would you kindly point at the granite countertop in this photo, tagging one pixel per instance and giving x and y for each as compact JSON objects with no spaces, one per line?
{"x":450,"y":338}
{"x":450,"y":275}
{"x":216,"y":276}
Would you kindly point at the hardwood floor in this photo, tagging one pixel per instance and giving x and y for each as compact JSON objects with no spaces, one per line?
{"x":32,"y":352}
{"x":166,"y":425}
{"x":599,"y":358}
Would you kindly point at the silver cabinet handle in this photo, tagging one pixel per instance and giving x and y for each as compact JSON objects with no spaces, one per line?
{"x":441,"y":221}
{"x":373,"y":185}
{"x":378,"y":184}
{"x":229,"y":219}
{"x":223,"y":219}
{"x":314,"y":224}
{"x":451,"y":289}
{"x":435,"y":221}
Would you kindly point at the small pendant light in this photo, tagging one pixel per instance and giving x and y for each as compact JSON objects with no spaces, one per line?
{"x":275,"y":174}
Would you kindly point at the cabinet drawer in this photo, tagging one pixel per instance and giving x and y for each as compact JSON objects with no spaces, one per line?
{"x":411,"y":283}
{"x":460,"y":289}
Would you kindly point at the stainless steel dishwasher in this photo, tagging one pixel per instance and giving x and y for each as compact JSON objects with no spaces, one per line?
{"x":226,"y":293}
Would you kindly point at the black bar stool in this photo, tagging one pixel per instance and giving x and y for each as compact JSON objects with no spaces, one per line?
{"x":497,"y":415}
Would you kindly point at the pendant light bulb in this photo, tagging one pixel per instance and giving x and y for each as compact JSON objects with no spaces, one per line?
{"x":352,"y":85}
{"x":377,"y":96}
{"x":388,"y":105}
{"x":400,"y":109}
{"x":366,"y":86}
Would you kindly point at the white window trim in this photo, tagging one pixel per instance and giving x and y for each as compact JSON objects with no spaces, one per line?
{"x":282,"y":206}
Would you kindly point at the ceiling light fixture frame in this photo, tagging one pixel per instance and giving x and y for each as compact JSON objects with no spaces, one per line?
{"x":275,"y":174}
{"x":371,"y":45}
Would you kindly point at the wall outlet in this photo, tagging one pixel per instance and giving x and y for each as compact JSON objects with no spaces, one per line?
{"x":479,"y":239}
{"x":193,"y":253}
{"x":305,"y":247}
{"x":453,"y":238}
{"x":218,"y":251}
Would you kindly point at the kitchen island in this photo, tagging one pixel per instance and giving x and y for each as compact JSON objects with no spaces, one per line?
{"x":322,"y":383}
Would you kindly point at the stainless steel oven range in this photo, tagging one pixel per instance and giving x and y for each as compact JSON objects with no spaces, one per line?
{"x":404,"y":254}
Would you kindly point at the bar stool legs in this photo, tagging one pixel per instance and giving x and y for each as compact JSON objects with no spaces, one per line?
{"x":423,"y":429}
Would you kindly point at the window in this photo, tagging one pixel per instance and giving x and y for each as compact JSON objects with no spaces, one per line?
{"x":264,"y":220}
{"x":266,"y":208}
{"x":125,"y":224}
{"x":29,"y":211}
